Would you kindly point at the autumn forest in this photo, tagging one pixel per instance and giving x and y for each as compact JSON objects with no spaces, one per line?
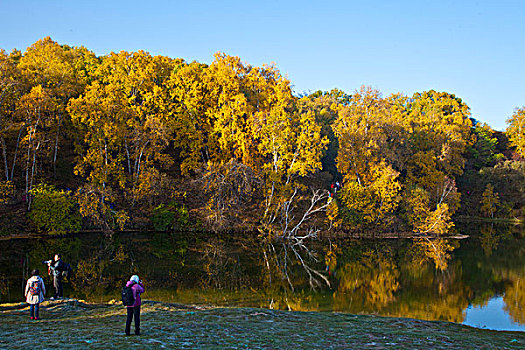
{"x":131,"y":141}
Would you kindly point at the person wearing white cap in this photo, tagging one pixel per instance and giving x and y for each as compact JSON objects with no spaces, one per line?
{"x":134,"y":309}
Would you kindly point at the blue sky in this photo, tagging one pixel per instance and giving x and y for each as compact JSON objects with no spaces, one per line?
{"x":474,"y":49}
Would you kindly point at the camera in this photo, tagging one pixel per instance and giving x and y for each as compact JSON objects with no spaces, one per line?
{"x":47,"y":262}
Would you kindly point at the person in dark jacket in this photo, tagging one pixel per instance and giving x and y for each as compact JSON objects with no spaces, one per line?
{"x":134,"y":310}
{"x":56,"y":267}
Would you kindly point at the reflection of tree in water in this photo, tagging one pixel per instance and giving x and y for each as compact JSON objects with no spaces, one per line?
{"x":489,"y":240}
{"x":388,"y":277}
{"x":436,"y":250}
{"x":370,"y":281}
{"x":448,"y":307}
{"x":433,"y":294}
{"x":292,"y":261}
{"x":490,"y":237}
{"x":393,"y":279}
{"x":45,"y":249}
{"x":515,"y":300}
{"x":161,"y":259}
{"x":69,"y":248}
{"x":95,"y":271}
{"x":514,"y":296}
{"x":221,"y":268}
{"x":4,"y":285}
{"x":375,"y":277}
{"x":288,"y":231}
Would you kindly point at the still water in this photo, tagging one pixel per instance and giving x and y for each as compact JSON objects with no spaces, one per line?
{"x":479,"y":281}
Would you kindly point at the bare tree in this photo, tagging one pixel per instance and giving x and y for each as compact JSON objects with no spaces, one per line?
{"x":292,"y":231}
{"x":229,"y":187}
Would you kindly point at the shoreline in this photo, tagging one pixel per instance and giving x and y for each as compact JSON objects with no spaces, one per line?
{"x":70,"y":323}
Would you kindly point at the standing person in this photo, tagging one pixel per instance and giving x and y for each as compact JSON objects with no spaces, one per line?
{"x":34,"y":293}
{"x":56,"y":267}
{"x":134,"y":310}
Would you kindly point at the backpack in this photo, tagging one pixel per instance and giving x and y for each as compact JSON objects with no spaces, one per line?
{"x":34,"y":287}
{"x":67,"y":271}
{"x":127,"y":296}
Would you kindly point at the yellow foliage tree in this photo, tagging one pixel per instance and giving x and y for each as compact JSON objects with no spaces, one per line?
{"x":11,"y":88}
{"x":376,"y":200}
{"x":367,"y":154}
{"x":187,"y":102}
{"x":61,"y":71}
{"x":516,"y":130}
{"x":441,"y":132}
{"x":123,"y":120}
{"x":224,"y":80}
{"x":37,"y":108}
{"x":489,"y":201}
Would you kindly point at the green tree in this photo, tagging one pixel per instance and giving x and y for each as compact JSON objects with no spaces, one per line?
{"x":53,"y":211}
{"x":483,"y":151}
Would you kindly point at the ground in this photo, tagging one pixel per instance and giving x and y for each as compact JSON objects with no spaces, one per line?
{"x":75,"y":324}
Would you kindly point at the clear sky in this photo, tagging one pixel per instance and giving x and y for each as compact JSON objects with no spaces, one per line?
{"x":474,"y":49}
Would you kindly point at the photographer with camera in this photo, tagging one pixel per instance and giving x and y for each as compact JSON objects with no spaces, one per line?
{"x":56,"y":267}
{"x":131,"y":299}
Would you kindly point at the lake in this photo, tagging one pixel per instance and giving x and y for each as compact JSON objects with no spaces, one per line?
{"x":478,"y":281}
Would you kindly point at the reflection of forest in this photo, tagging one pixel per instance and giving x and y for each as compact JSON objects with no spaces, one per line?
{"x":365,"y":276}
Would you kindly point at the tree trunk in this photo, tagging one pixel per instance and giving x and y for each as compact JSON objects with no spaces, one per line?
{"x":4,"y":154}
{"x":128,"y":157}
{"x":16,"y":151}
{"x":137,"y":168}
{"x":56,"y":146}
{"x":33,"y":171}
{"x":27,"y":167}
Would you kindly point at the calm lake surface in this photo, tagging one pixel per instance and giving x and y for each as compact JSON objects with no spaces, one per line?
{"x":480,"y":282}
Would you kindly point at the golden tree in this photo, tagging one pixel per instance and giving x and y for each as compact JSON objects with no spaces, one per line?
{"x":126,"y":130}
{"x":368,"y":155}
{"x":186,"y":103}
{"x":58,"y":70}
{"x":37,"y":108}
{"x":10,"y":90}
{"x":516,"y":130}
{"x":489,"y":201}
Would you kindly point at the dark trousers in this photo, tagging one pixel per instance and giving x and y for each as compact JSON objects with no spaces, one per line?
{"x":133,"y":312}
{"x":33,"y":310}
{"x":57,"y":283}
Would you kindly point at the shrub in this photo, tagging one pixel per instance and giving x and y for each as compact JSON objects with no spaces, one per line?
{"x":170,"y":217}
{"x":53,"y":211}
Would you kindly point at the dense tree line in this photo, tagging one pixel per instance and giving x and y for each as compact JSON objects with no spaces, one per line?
{"x":134,"y":140}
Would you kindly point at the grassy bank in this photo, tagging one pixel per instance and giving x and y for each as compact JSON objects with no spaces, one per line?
{"x":73,"y":324}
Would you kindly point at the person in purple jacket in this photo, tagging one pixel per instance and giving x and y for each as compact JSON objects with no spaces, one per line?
{"x":134,"y":310}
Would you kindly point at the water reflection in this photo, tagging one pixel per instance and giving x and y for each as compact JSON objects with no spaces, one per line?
{"x":389,"y":277}
{"x":492,"y":316}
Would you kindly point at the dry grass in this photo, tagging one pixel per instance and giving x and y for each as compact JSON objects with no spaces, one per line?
{"x":74,"y":324}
